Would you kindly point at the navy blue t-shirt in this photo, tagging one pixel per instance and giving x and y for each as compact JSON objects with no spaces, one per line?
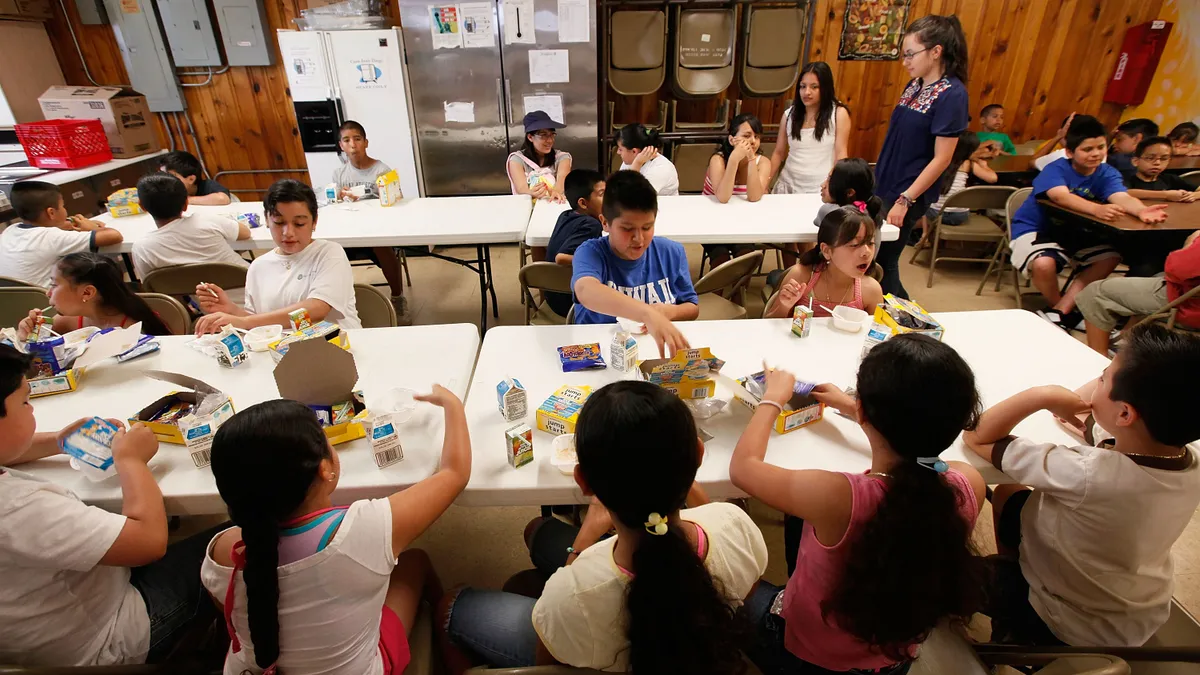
{"x":1122,"y":162}
{"x":571,"y":230}
{"x":922,"y":115}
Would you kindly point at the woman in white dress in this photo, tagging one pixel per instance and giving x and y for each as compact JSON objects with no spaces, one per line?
{"x":813,"y":134}
{"x":638,"y":148}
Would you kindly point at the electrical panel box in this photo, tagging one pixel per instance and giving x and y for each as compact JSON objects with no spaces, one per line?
{"x":243,"y":32}
{"x":189,"y":28}
{"x":91,"y":12}
{"x":135,"y":24}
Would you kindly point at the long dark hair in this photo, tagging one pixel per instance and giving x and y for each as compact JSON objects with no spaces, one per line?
{"x":726,"y":148}
{"x":679,"y":618}
{"x":529,"y":151}
{"x":281,"y":440}
{"x":968,"y":143}
{"x":829,"y":102}
{"x":913,"y":564}
{"x":114,"y":296}
{"x":839,"y":228}
{"x":945,"y":31}
{"x":854,"y":173}
{"x":636,"y":136}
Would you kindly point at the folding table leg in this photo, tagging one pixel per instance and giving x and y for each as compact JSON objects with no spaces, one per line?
{"x":483,"y":290}
{"x":491,"y":281}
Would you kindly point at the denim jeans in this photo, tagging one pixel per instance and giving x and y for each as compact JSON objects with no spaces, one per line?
{"x":494,"y":627}
{"x":173,"y":594}
{"x":890,"y":251}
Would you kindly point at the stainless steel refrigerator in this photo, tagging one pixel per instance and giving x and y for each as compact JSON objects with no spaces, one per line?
{"x":477,"y":68}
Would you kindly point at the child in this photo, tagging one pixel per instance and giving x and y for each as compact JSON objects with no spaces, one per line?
{"x":834,"y":273}
{"x":851,"y":180}
{"x":1126,"y":138}
{"x":1148,"y":181}
{"x":886,"y":554}
{"x":585,"y":194}
{"x":1085,"y":551}
{"x":180,"y":239}
{"x":1077,"y":182}
{"x":991,"y":119}
{"x":660,"y":596}
{"x":639,"y":148}
{"x":629,"y":273}
{"x":1104,"y":302}
{"x":968,"y":161}
{"x":538,"y":169}
{"x":300,"y":273}
{"x":1053,"y":150}
{"x":1183,"y":139}
{"x":361,"y":170}
{"x":736,"y":168}
{"x":30,"y":249}
{"x":89,"y":290}
{"x":321,"y":589}
{"x":201,"y":191}
{"x":69,"y":597}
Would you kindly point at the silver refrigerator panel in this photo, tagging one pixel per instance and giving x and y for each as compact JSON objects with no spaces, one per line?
{"x":580,"y":107}
{"x":457,"y":158}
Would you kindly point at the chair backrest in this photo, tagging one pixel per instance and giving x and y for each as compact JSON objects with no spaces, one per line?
{"x":774,"y":39}
{"x":876,"y":272}
{"x":182,"y":279}
{"x":730,"y":275}
{"x":546,"y":276}
{"x":1015,"y":200}
{"x":571,"y":315}
{"x":16,"y":301}
{"x":375,"y":310}
{"x":691,"y":163}
{"x":704,"y":40}
{"x":981,"y":197}
{"x":171,"y":311}
{"x":638,"y":51}
{"x":9,"y":282}
{"x":1192,"y":178}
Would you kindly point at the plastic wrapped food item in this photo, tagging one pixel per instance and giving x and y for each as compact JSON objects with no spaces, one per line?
{"x":580,"y":357}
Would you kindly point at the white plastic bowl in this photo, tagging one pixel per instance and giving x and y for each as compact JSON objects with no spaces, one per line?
{"x":563,"y":455}
{"x":257,"y":339}
{"x":848,"y":319}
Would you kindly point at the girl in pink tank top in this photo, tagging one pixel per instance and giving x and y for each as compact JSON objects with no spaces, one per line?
{"x":885,"y":555}
{"x":835,"y":271}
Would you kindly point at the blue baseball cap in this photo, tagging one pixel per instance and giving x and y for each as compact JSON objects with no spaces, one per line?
{"x":538,"y":120}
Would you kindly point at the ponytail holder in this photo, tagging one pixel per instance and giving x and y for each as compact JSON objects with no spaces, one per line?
{"x":933,"y":464}
{"x":656,"y":525}
{"x":862,"y":206}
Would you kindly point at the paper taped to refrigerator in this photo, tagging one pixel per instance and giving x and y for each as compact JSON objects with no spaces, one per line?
{"x":443,"y":26}
{"x":518,"y":22}
{"x":574,"y":21}
{"x":462,"y":112}
{"x":547,"y":66}
{"x":476,"y":20}
{"x":551,"y":104}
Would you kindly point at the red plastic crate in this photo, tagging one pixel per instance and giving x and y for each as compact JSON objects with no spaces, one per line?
{"x":64,"y":144}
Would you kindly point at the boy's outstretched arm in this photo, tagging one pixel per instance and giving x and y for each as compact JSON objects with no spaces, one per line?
{"x":999,"y":420}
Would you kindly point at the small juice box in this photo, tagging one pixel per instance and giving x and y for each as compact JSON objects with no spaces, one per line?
{"x":300,"y":319}
{"x":511,"y":398}
{"x":801,"y":321}
{"x":519,"y":445}
{"x":623,"y":352}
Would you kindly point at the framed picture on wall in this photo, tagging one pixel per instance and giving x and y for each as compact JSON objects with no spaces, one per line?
{"x":872,"y":30}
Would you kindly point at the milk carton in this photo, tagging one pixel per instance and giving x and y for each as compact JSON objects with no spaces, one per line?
{"x":511,"y":398}
{"x":623,"y":353}
{"x":385,"y":441}
{"x":90,"y":448}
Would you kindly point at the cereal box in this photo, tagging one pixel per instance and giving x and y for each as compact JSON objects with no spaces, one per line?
{"x":510,"y":397}
{"x":519,"y":445}
{"x":328,"y":330}
{"x":688,"y":374}
{"x":894,"y":316}
{"x":168,"y":417}
{"x":801,"y":321}
{"x":388,"y":186}
{"x":800,"y":411}
{"x":559,"y":413}
{"x":123,"y":203}
{"x":623,"y":353}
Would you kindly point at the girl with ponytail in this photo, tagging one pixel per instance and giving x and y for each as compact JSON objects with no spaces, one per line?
{"x":307,"y":587}
{"x":640,"y":150}
{"x":886,"y":554}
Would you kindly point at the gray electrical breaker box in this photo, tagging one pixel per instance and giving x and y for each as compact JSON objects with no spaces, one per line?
{"x":189,"y":30}
{"x":243,"y":32}
{"x":135,"y":24}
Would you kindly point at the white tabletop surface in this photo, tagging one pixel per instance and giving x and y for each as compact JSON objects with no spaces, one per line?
{"x":68,"y":175}
{"x":701,"y":219}
{"x":989,"y":341}
{"x":423,"y":221}
{"x":385,"y":357}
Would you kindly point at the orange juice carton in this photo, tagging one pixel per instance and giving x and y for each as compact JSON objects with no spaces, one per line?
{"x":299,"y":319}
{"x":511,"y":398}
{"x":558,"y":414}
{"x":801,"y":321}
{"x":894,"y":316}
{"x":800,"y":411}
{"x":688,"y":374}
{"x":519,"y":442}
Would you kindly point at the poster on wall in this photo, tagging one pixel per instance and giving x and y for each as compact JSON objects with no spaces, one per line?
{"x":476,"y":19}
{"x":443,"y":26}
{"x":873,"y":29}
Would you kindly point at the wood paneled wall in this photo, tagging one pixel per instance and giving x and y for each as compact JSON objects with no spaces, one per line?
{"x":1041,"y":60}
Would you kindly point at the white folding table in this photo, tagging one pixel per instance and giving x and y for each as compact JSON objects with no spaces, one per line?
{"x":1009,"y":350}
{"x":413,"y":357}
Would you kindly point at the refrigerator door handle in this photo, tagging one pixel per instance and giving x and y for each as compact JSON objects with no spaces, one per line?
{"x":508,"y":98}
{"x":500,"y":103}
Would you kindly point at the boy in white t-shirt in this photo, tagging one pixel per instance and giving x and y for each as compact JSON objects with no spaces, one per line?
{"x":182,"y":239}
{"x":69,"y":597}
{"x":29,"y":250}
{"x":1085,"y":555}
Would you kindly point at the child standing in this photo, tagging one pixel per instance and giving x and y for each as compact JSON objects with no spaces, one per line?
{"x":89,"y":290}
{"x":991,"y":119}
{"x":1148,"y":181}
{"x":307,"y":587}
{"x":1077,"y":182}
{"x":585,"y":194}
{"x":885,"y":555}
{"x":201,"y":191}
{"x":1126,"y":138}
{"x":30,"y":249}
{"x":1085,"y":550}
{"x":70,"y":597}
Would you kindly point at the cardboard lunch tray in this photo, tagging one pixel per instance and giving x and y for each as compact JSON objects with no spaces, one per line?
{"x":169,"y":432}
{"x":321,"y":375}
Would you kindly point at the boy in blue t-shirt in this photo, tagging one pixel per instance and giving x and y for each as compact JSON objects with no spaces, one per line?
{"x":1081,"y":182}
{"x":631,"y":274}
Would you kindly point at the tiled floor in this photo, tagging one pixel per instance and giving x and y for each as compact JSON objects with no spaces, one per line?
{"x":483,"y":546}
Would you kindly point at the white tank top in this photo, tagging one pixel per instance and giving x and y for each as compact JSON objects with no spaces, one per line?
{"x":808,"y":160}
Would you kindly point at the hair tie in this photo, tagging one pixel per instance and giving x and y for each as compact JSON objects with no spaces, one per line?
{"x":656,"y":525}
{"x":862,"y":206}
{"x":933,"y":464}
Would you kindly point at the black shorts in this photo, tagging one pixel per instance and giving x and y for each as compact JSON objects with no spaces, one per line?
{"x":1014,"y":620}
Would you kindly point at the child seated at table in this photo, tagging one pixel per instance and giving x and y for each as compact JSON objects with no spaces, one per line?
{"x":850,"y":180}
{"x":201,"y":191}
{"x":585,"y":194}
{"x":737,"y":169}
{"x":182,"y":239}
{"x":834,"y":273}
{"x":631,"y":273}
{"x":1149,"y":181}
{"x":660,"y":596}
{"x":1085,"y":549}
{"x":321,"y":589}
{"x":1183,"y":139}
{"x":30,"y":249}
{"x":885,"y":554}
{"x":89,"y":290}
{"x":83,"y":586}
{"x":299,"y":273}
{"x":1105,"y":302}
{"x":1080,"y":182}
{"x":359,"y":171}
{"x":991,"y":120}
{"x":969,"y":161}
{"x":1126,"y":138}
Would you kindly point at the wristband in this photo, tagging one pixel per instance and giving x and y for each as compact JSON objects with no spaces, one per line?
{"x":905,"y":200}
{"x":571,"y":551}
{"x":771,"y":403}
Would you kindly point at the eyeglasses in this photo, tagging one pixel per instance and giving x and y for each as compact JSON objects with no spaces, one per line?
{"x":908,"y":56}
{"x":1155,"y":158}
{"x":546,"y":134}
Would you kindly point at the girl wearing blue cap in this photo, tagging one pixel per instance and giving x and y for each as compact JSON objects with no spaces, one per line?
{"x":537,"y":169}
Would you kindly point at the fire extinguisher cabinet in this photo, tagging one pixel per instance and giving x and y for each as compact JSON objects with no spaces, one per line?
{"x":1140,"y":52}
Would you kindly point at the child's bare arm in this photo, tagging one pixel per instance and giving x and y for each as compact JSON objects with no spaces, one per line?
{"x":143,"y":539}
{"x":1134,"y":207}
{"x":999,"y":420}
{"x":214,"y":199}
{"x":984,"y":172}
{"x":563,"y":258}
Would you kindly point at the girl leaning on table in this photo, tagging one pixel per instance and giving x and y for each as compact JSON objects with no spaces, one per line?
{"x":885,"y":555}
{"x":299,"y":273}
{"x":737,"y":169}
{"x":307,"y":587}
